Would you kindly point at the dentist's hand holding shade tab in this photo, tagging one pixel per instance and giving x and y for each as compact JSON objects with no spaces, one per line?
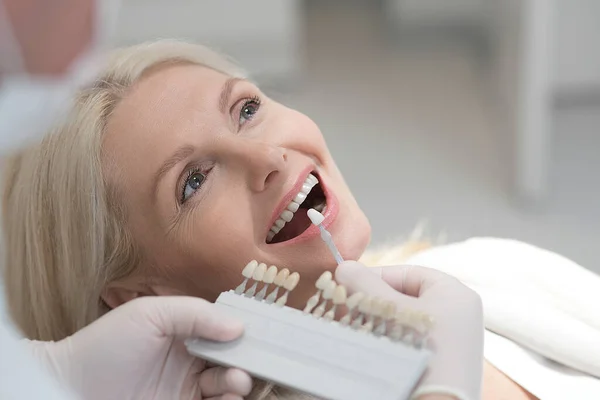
{"x":456,"y":338}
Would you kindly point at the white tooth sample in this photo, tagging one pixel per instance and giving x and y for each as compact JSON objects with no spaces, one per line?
{"x":300,"y":197}
{"x":268,"y":278}
{"x":275,"y":229}
{"x":338,"y":298}
{"x":278,"y":281}
{"x":376,"y":311}
{"x":427,"y":322}
{"x":411,"y":327}
{"x":387,"y":314}
{"x":315,"y":217}
{"x":328,"y":290}
{"x":281,"y":277}
{"x":290,"y":284}
{"x":249,"y":269}
{"x":323,"y":280}
{"x":270,"y":236}
{"x":259,"y":272}
{"x":397,"y":331}
{"x":351,"y":304}
{"x":364,"y":308}
{"x":247,"y":273}
{"x":293,"y":206}
{"x":279,"y":223}
{"x":312,"y":178}
{"x":320,"y":285}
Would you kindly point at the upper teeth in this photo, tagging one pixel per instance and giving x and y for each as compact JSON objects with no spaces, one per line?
{"x":288,"y":213}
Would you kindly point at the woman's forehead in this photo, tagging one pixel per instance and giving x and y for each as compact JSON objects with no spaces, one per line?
{"x":174,"y":83}
{"x":166,"y":101}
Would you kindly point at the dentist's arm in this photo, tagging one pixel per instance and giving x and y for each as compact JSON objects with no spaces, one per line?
{"x":455,"y":371}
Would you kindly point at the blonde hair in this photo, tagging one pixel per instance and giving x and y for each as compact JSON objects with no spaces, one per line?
{"x":64,"y":228}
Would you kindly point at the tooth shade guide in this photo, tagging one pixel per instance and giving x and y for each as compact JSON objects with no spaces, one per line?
{"x":374,"y":315}
{"x":320,"y":348}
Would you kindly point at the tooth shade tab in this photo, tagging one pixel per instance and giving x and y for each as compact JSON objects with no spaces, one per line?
{"x":329,"y":290}
{"x":376,"y":307}
{"x":291,"y":282}
{"x":354,"y":300}
{"x":365,"y":305}
{"x":315,"y":217}
{"x":270,"y":274}
{"x":339,"y":295}
{"x":248,"y":270}
{"x":323,"y":280}
{"x":259,"y":272}
{"x":281,"y":277}
{"x":389,"y":310}
{"x":247,"y":273}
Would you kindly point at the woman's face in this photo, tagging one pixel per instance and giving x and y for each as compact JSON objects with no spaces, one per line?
{"x":206,"y":165}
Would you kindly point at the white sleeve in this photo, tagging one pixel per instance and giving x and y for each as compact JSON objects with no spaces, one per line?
{"x":20,"y":376}
{"x":532,"y":296}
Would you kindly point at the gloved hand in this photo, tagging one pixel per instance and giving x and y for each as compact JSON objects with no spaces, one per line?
{"x":456,"y":366}
{"x":136,"y":351}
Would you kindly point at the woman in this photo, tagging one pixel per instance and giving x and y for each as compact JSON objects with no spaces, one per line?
{"x":170,"y":173}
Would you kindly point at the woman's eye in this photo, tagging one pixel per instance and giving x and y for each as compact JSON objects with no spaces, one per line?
{"x":248,"y":110}
{"x":192,"y":183}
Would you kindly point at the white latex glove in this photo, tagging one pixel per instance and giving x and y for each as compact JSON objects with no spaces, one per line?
{"x":456,"y":339}
{"x":136,"y":351}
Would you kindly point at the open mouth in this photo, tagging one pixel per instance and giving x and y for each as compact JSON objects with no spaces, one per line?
{"x":294,"y":220}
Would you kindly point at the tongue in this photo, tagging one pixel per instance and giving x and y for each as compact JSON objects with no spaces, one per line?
{"x":295,"y":227}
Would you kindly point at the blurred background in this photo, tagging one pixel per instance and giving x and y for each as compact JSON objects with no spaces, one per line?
{"x":465,"y":117}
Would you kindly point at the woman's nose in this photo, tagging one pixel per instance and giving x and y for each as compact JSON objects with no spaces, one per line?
{"x":263,"y":162}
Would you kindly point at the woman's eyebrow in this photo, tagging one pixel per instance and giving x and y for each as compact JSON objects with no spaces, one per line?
{"x":179,"y":155}
{"x":226,"y":93}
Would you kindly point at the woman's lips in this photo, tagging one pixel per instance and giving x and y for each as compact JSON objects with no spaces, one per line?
{"x":330,"y":214}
